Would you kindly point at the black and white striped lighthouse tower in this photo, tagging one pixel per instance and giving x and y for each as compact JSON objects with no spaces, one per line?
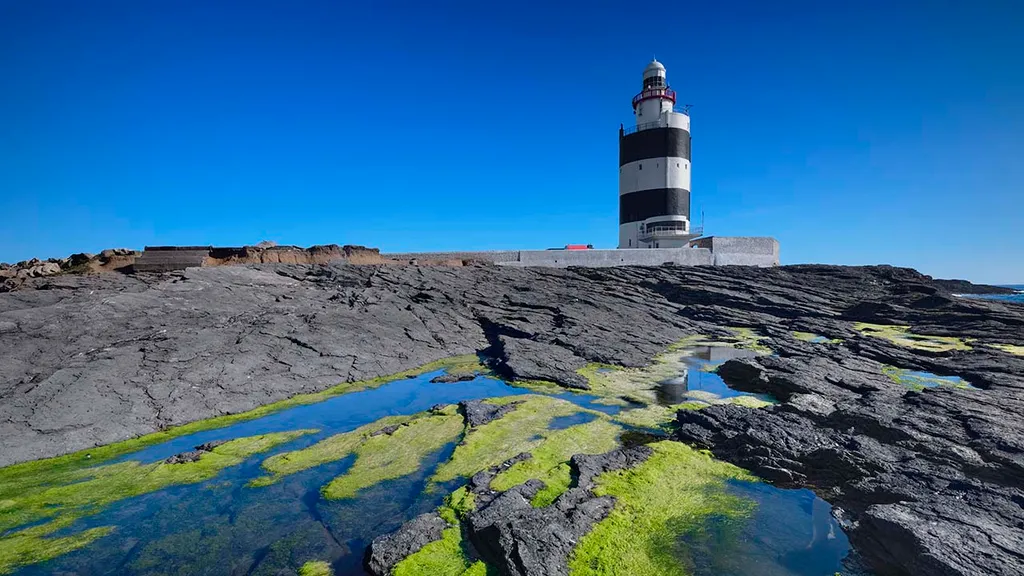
{"x":654,"y":169}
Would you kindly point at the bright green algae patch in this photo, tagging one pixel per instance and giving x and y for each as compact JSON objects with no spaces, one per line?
{"x":444,"y":557}
{"x":15,"y":479}
{"x":379,"y":455}
{"x":447,"y":556}
{"x":87,"y":491}
{"x":902,"y":336}
{"x":388,"y":456}
{"x":327,"y":450}
{"x":674,"y":492}
{"x":31,"y":546}
{"x":316,"y":568}
{"x":457,"y":505}
{"x":657,"y":416}
{"x":521,"y":430}
{"x":549,"y":461}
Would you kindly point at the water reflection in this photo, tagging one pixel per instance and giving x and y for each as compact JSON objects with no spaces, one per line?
{"x":696,"y":375}
{"x":792,"y":533}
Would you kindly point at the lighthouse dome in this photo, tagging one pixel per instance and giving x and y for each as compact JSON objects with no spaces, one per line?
{"x":655,"y":68}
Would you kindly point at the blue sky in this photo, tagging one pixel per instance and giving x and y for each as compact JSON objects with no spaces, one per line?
{"x":880,"y":132}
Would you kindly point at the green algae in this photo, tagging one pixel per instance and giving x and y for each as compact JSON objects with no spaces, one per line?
{"x":31,"y":546}
{"x":447,"y":556}
{"x":521,"y":430}
{"x":1009,"y":349}
{"x":674,"y":492}
{"x":327,"y":450}
{"x":388,"y":456}
{"x":918,"y":381}
{"x":623,"y":386}
{"x":17,"y":478}
{"x":815,"y":338}
{"x":660,"y":417}
{"x":549,"y":461}
{"x":541,"y":386}
{"x":91,"y":490}
{"x":316,"y":568}
{"x":457,"y":505}
{"x":901,"y":335}
{"x":747,"y":338}
{"x":444,"y":557}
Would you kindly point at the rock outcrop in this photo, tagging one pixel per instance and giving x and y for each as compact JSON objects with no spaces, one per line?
{"x":386,"y":551}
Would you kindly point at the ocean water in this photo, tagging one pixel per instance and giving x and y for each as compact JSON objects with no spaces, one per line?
{"x":222,"y":526}
{"x":1018,"y":297}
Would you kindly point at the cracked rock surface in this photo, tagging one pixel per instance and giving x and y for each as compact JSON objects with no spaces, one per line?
{"x":929,"y":482}
{"x":520,"y":540}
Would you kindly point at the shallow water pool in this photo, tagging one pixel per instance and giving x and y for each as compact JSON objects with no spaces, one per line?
{"x":224,"y":526}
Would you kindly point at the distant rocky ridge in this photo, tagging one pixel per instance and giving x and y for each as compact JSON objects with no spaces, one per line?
{"x":161,"y":259}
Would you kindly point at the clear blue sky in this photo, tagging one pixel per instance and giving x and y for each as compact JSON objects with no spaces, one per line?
{"x":880,"y":132}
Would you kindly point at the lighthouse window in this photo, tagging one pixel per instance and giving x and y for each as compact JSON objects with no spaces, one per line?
{"x":641,"y":167}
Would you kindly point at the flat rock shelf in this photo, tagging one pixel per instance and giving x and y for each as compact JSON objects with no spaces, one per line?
{"x":274,"y":418}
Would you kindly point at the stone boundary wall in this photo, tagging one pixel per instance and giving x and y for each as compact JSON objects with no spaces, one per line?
{"x":741,"y":250}
{"x":496,"y":256}
{"x":622,"y":257}
{"x":713,"y":250}
{"x":563,"y":258}
{"x":164,"y":259}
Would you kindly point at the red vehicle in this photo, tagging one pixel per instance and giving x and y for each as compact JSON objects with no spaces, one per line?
{"x":575,"y":247}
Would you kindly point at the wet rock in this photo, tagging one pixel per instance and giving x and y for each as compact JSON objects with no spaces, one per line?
{"x":389,"y":430}
{"x":478,"y":412}
{"x":910,"y":469}
{"x":386,"y":551}
{"x":185,"y":457}
{"x":209,"y":446}
{"x":194,"y":455}
{"x":447,"y":378}
{"x":506,"y":531}
{"x":521,"y":540}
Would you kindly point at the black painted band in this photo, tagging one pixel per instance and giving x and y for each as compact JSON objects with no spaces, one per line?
{"x":654,"y":143}
{"x":637,"y":206}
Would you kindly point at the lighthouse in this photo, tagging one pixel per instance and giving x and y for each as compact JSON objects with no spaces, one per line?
{"x":654,"y":169}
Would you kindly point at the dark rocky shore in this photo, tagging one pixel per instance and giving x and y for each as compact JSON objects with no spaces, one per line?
{"x":928,"y":482}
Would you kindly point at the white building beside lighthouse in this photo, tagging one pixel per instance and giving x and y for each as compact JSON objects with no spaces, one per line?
{"x":654,"y":169}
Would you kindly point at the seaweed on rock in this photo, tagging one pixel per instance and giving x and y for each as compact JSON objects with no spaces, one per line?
{"x":549,"y":461}
{"x":316,"y":568}
{"x":387,"y":448}
{"x":675,"y":490}
{"x":521,"y":430}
